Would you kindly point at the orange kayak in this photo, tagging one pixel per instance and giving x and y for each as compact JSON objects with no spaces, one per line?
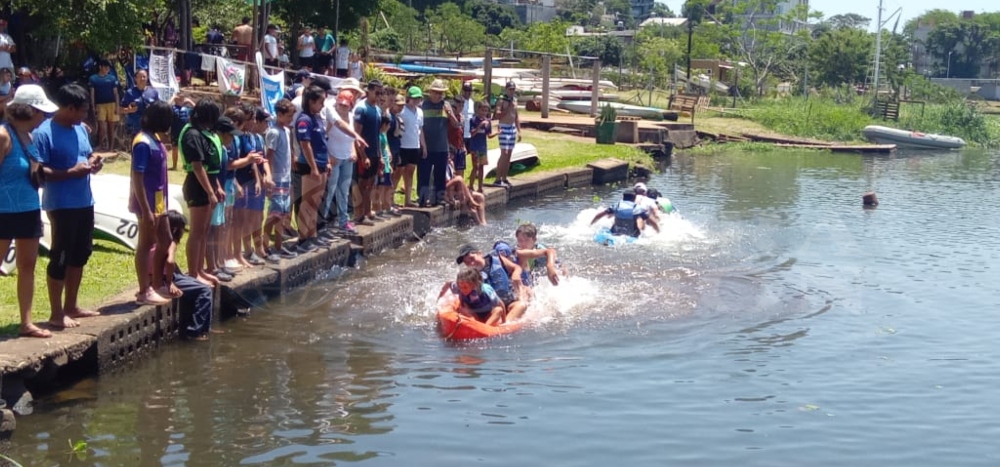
{"x":456,"y":326}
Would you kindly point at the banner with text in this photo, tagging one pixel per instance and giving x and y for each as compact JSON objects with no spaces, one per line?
{"x":161,"y":75}
{"x":231,"y":76}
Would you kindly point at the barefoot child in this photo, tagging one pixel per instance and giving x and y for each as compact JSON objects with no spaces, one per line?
{"x":477,"y":299}
{"x":383,"y":178}
{"x":480,"y":128}
{"x":148,"y":201}
{"x":460,"y":197}
{"x":279,"y":156}
{"x":195,"y":297}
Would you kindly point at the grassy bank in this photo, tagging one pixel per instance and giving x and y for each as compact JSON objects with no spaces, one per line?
{"x":111,"y":271}
{"x":832,"y":120}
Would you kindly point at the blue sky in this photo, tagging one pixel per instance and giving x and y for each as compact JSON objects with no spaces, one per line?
{"x":869,"y":8}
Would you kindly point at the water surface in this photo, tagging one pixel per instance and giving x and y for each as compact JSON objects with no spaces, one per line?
{"x":775,"y":324}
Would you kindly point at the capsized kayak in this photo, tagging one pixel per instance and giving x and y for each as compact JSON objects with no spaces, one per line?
{"x":457,"y":326}
{"x":605,"y":237}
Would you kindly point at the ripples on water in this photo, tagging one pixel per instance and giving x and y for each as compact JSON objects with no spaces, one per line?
{"x":775,"y":323}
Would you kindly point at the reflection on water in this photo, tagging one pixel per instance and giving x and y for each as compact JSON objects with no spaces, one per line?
{"x":775,"y":323}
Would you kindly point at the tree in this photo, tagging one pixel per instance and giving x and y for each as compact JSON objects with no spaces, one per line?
{"x":541,"y":37}
{"x":493,"y":16}
{"x":840,"y":56}
{"x":849,"y":21}
{"x":659,"y":55}
{"x":608,"y":49}
{"x":662,"y":10}
{"x":964,"y":47}
{"x":458,"y":32}
{"x":694,"y":11}
{"x":101,"y":26}
{"x":404,"y":21}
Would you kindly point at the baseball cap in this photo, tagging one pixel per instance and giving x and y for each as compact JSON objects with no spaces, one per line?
{"x":464,"y":251}
{"x":34,"y":95}
{"x":302,"y":74}
{"x":225,"y":125}
{"x":415,"y":93}
{"x":374,"y":84}
{"x":640,"y":187}
{"x":467,"y":86}
{"x":511,"y":85}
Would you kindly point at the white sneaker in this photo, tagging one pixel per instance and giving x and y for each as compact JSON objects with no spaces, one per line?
{"x":233,"y":265}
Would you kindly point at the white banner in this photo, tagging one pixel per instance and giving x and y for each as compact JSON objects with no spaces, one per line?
{"x":272,"y":86}
{"x":231,"y":76}
{"x":161,"y":75}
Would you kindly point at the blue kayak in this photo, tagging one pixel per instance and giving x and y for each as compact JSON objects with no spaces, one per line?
{"x":605,"y":237}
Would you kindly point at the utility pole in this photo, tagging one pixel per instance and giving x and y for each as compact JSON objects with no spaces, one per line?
{"x":878,"y":48}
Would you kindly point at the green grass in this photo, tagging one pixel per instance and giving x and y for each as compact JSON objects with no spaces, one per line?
{"x":829,"y":120}
{"x":557,"y":151}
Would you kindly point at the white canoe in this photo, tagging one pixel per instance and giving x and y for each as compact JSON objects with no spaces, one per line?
{"x":911,"y":139}
{"x":624,"y":110}
{"x":112,"y":220}
{"x":524,"y":153}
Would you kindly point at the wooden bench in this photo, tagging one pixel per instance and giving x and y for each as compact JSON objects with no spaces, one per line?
{"x":685,"y":103}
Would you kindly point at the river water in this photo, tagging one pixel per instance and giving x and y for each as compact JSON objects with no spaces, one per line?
{"x":776,"y":323}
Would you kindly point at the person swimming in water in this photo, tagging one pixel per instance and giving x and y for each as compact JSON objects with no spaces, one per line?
{"x":630,"y":218}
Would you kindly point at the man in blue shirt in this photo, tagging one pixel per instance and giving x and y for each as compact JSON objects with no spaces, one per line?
{"x":68,"y":161}
{"x":368,"y":123}
{"x":104,"y":102}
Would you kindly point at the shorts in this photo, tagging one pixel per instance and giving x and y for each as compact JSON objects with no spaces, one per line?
{"x":175,"y":134}
{"x":280,"y":200}
{"x":397,"y":159}
{"x":250,"y":200}
{"x":72,"y":240}
{"x":107,"y":112}
{"x":372,"y":170}
{"x":383,"y":179}
{"x":271,"y":62}
{"x":230,"y":187}
{"x":458,"y":158}
{"x":341,"y":72}
{"x":194,"y":194}
{"x":303,"y":169}
{"x":508,"y":136}
{"x":27,"y":224}
{"x":409,"y":156}
{"x":480,"y":158}
{"x":240,"y":202}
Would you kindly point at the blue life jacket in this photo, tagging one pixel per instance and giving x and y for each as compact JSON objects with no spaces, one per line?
{"x":496,"y":276}
{"x":503,"y":248}
{"x":625,"y":219}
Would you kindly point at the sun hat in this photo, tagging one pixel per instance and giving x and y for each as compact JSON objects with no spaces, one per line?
{"x":464,"y":251}
{"x":400,"y":100}
{"x":351,"y":84}
{"x":34,"y":95}
{"x":438,"y":86}
{"x":415,"y":93}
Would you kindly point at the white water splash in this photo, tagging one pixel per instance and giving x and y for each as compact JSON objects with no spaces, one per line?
{"x":674,"y":230}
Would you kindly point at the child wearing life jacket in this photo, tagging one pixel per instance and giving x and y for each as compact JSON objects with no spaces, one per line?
{"x":534,"y":257}
{"x":477,"y":298}
{"x":501,"y":273}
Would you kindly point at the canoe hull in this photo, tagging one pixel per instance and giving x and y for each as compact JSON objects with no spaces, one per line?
{"x":456,"y":326}
{"x":910,"y":139}
{"x":624,"y":110}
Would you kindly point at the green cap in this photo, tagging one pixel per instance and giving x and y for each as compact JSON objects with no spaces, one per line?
{"x":415,"y":93}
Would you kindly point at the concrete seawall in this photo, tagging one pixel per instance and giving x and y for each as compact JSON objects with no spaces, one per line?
{"x":126,"y":332}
